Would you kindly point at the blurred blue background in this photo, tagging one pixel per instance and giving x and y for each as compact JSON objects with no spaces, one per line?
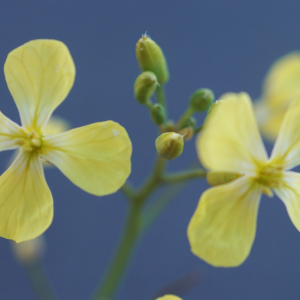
{"x":223,"y":45}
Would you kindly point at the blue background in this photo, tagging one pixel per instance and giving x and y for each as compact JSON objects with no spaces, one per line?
{"x":223,"y":45}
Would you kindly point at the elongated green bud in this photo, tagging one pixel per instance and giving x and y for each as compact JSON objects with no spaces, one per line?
{"x":158,"y":114}
{"x":169,"y":145}
{"x":201,"y":100}
{"x":144,"y":86}
{"x":217,"y":178}
{"x":151,"y":58}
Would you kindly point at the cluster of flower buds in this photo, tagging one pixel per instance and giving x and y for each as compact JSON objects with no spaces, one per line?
{"x":154,"y":74}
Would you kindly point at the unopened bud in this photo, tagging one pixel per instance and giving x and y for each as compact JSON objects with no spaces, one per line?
{"x":216,"y":178}
{"x":170,"y":126}
{"x":169,"y":145}
{"x":187,"y":133}
{"x":188,"y":122}
{"x":144,"y":86}
{"x":158,"y":114}
{"x":151,"y":58}
{"x":201,"y":100}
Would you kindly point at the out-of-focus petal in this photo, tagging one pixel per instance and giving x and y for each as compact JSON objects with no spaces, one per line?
{"x":95,"y":157}
{"x":56,"y":125}
{"x":283,"y":81}
{"x":286,"y":151}
{"x":269,"y":120}
{"x":10,"y":132}
{"x":169,"y":297}
{"x":26,"y":206}
{"x":222,"y":229}
{"x":39,"y":75}
{"x":289,"y":193}
{"x":230,"y":140}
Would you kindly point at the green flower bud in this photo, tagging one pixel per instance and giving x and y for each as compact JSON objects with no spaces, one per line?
{"x":144,"y":86}
{"x":158,"y":114}
{"x":169,"y":145}
{"x":216,"y":178}
{"x":151,"y":58}
{"x":187,"y":133}
{"x":188,"y":122}
{"x":201,"y":100}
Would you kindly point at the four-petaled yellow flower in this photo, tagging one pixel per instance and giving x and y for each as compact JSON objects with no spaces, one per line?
{"x":281,"y":85}
{"x":222,"y":229}
{"x":95,"y":157}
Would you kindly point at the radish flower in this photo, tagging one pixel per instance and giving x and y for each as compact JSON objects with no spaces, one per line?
{"x":222,"y":229}
{"x":96,"y":157}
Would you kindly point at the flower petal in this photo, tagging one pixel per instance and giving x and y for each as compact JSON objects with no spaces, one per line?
{"x":26,"y":206}
{"x":269,"y":120}
{"x":95,"y":157}
{"x":56,"y":125}
{"x":222,"y":229}
{"x":9,"y":133}
{"x":286,"y":151}
{"x":169,"y":297}
{"x":39,"y":75}
{"x":282,"y":82}
{"x":289,"y":193}
{"x":281,"y":85}
{"x":230,"y":140}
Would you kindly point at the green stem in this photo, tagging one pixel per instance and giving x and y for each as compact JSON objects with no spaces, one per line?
{"x":184,"y":176}
{"x":178,"y":181}
{"x":160,"y":204}
{"x":128,"y":190}
{"x":122,"y":257}
{"x":161,"y":97}
{"x":39,"y":280}
{"x":184,"y":116}
{"x":198,"y":129}
{"x":154,"y":180}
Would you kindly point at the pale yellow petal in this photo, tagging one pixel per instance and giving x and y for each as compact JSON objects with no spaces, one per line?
{"x":55,"y":125}
{"x":222,"y":229}
{"x":169,"y":297}
{"x":95,"y":157}
{"x":10,"y":133}
{"x":289,"y":193}
{"x":281,"y":85}
{"x":26,"y":206}
{"x":39,"y":75}
{"x":269,"y":120}
{"x":230,"y":140}
{"x":283,"y":81}
{"x":286,"y":151}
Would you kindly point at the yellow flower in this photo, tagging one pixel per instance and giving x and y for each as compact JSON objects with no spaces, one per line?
{"x":95,"y":157}
{"x":222,"y":229}
{"x":169,"y":297}
{"x":281,"y":85}
{"x":55,"y":125}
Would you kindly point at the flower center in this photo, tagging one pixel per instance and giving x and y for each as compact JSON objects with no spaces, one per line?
{"x":31,"y":142}
{"x":271,"y":177}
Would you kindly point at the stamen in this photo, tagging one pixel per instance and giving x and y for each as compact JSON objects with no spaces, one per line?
{"x":271,"y":177}
{"x":31,"y":141}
